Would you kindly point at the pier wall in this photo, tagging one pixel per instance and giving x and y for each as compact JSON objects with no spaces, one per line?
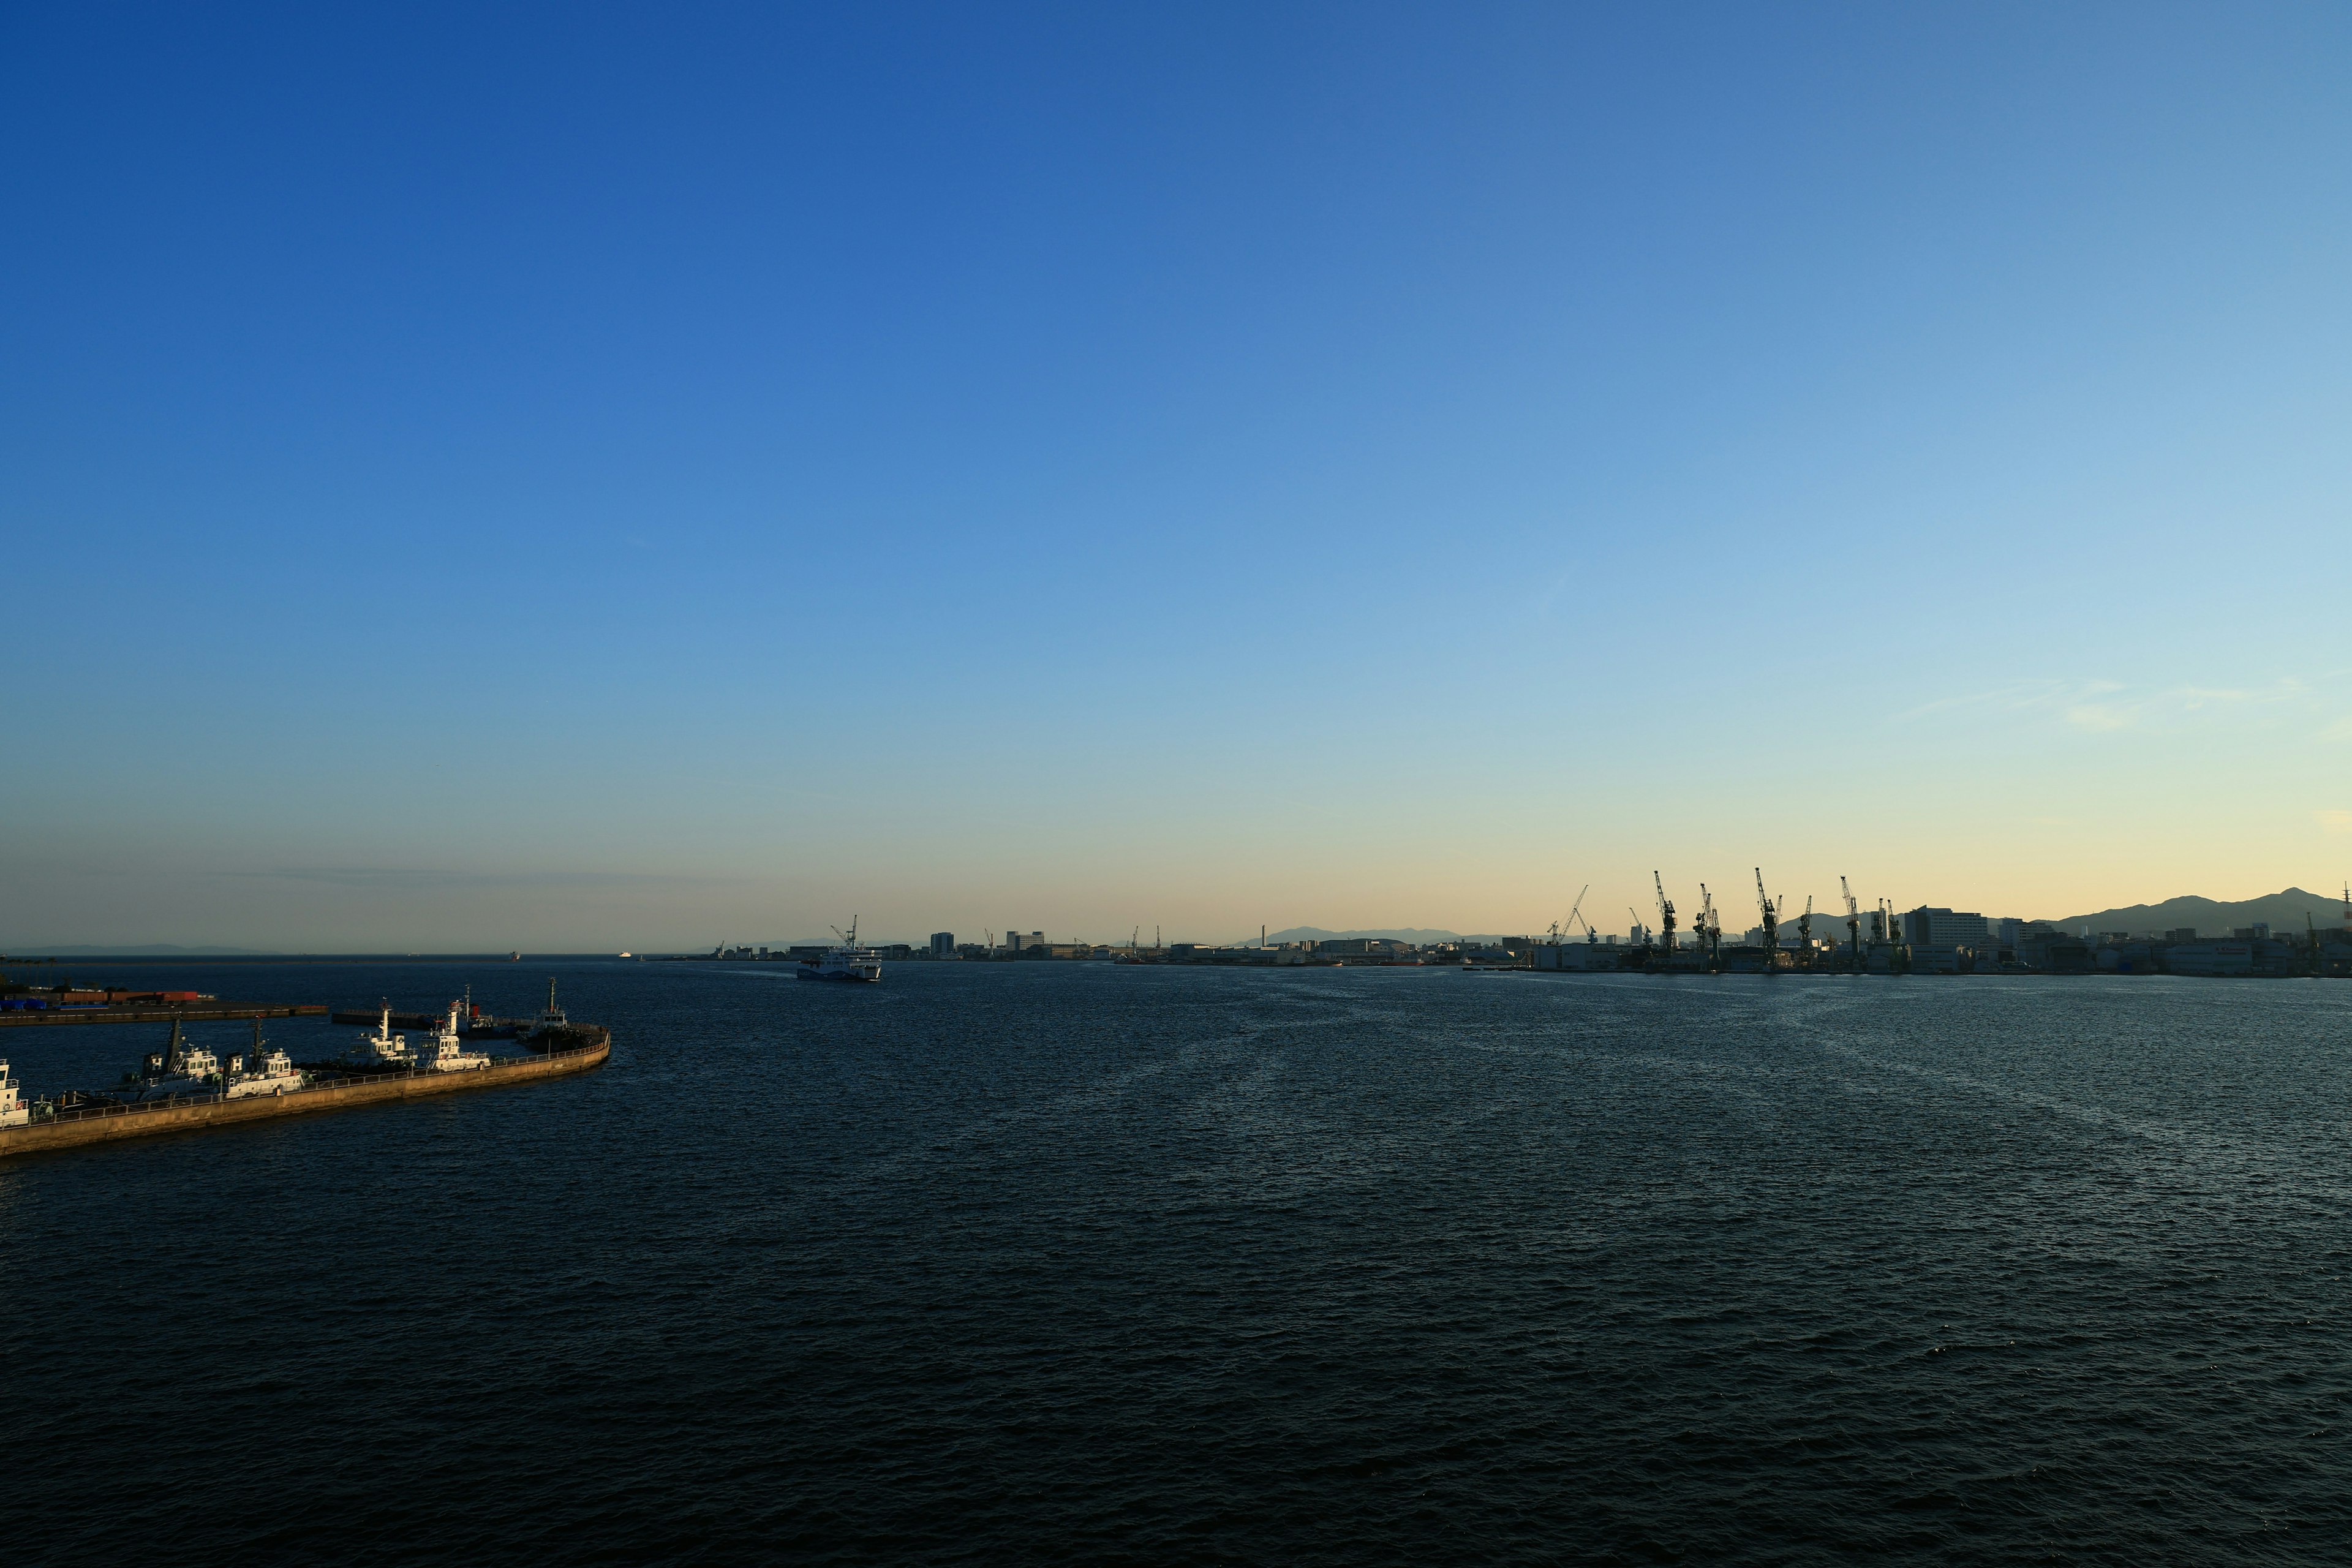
{"x":67,"y":1134}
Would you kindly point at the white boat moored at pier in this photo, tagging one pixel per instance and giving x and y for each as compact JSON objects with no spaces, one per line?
{"x":446,"y":1052}
{"x":383,"y":1048}
{"x":271,"y":1071}
{"x":178,"y":1068}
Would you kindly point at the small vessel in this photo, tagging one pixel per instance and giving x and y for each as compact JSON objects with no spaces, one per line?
{"x":552,"y":1016}
{"x":12,"y":1112}
{"x":383,"y":1048}
{"x":271,"y":1072}
{"x":445,"y":1052}
{"x":844,"y":961}
{"x":178,"y":1068}
{"x":476,"y":1024}
{"x":514,"y":958}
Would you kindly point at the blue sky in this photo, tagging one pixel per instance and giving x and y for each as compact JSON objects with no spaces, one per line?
{"x":598,"y":476}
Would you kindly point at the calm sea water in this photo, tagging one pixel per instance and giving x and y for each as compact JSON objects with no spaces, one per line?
{"x":1068,"y":1263}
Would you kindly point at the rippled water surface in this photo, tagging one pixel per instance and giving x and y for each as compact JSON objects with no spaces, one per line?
{"x":1062,"y":1263}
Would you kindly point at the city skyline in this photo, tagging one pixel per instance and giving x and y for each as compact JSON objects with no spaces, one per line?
{"x":1738,"y":919}
{"x":557,"y":481}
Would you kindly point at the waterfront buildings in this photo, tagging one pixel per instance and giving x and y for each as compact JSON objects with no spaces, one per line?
{"x":1924,"y":927}
{"x":1927,"y":940}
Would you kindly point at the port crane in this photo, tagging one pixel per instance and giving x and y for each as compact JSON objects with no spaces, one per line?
{"x":1666,"y":913}
{"x":1772,"y":921}
{"x":1805,"y":931}
{"x":1709,"y":927}
{"x":1852,"y":925}
{"x":1562,"y":929}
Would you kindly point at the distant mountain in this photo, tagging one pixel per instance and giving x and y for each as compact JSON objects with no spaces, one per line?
{"x":148,"y":949}
{"x":1419,"y":936}
{"x":2281,"y":912}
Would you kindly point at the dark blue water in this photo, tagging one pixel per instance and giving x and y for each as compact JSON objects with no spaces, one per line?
{"x":1064,"y":1263}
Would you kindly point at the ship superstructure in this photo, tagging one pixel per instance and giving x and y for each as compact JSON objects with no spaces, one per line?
{"x":179,"y":1069}
{"x":266,"y":1069}
{"x":551,"y":1017}
{"x":844,"y":961}
{"x":383,"y":1048}
{"x":446,"y":1052}
{"x":12,"y":1111}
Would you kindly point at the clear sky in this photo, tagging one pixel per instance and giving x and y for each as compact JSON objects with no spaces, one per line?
{"x":586,"y":476}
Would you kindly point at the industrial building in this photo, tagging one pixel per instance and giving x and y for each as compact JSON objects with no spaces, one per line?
{"x":1926,"y":927}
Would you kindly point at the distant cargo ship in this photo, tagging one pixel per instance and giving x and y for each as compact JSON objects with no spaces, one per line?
{"x":844,"y":961}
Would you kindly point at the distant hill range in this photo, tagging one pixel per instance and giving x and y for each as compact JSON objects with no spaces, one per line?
{"x":1419,"y":936}
{"x":2283,"y":912}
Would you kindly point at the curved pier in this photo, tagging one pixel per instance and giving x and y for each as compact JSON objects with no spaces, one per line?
{"x":70,"y":1129}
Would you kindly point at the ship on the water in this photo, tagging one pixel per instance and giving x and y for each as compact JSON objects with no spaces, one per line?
{"x":270,"y":1071}
{"x":476,"y":1025}
{"x":383,"y":1048}
{"x":844,"y":961}
{"x":446,"y":1052}
{"x":186,"y":1087}
{"x":179,"y":1069}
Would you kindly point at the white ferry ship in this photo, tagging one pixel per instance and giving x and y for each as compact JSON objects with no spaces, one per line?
{"x":12,"y":1111}
{"x":844,"y":961}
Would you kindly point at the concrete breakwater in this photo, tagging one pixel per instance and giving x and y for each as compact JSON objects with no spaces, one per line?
{"x":69,"y":1129}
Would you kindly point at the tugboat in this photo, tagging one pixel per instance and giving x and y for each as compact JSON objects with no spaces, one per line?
{"x":12,"y":1112}
{"x":178,"y":1068}
{"x":550,"y":1018}
{"x":844,"y":961}
{"x":446,"y":1052}
{"x":271,"y":1072}
{"x":383,"y":1048}
{"x":478,"y":1024}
